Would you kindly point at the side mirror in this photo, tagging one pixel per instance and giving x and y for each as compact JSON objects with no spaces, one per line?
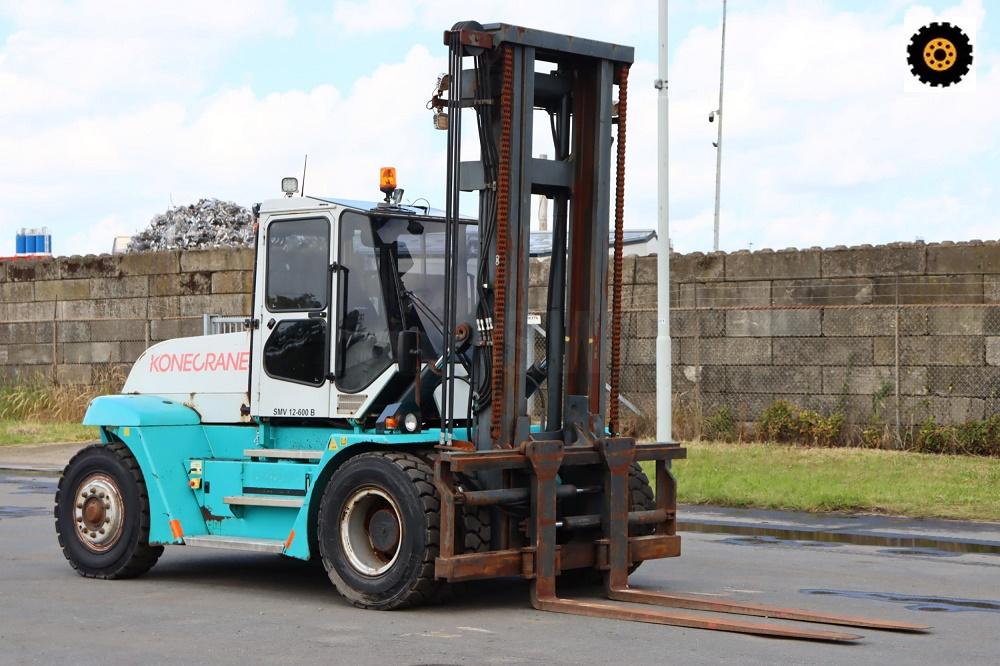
{"x":407,"y":353}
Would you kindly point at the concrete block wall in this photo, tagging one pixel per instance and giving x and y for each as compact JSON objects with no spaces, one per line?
{"x":72,"y":317}
{"x":815,"y":326}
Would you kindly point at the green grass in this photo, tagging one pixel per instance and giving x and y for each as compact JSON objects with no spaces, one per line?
{"x":34,"y":432}
{"x":774,"y":476}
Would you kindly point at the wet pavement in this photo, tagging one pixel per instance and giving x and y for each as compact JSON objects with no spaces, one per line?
{"x":244,"y":608}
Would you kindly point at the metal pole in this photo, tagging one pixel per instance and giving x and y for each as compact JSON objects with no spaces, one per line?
{"x":718,"y":141}
{"x":664,"y":386}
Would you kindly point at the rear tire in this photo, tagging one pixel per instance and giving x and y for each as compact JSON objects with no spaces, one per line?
{"x":102,"y":514}
{"x":378,"y":531}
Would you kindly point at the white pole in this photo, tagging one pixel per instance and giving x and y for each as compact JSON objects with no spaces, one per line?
{"x":664,"y":427}
{"x":718,"y":141}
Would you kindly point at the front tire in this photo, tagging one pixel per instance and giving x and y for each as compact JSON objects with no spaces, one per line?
{"x":378,"y":531}
{"x":102,"y":514}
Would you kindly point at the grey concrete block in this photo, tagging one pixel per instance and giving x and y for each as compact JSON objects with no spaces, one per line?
{"x":103,"y":308}
{"x":682,"y":295}
{"x":16,"y":292}
{"x":963,"y":258}
{"x":956,"y":321}
{"x":864,"y":381}
{"x":29,"y":354}
{"x":150,"y":263}
{"x":180,"y":284}
{"x":992,"y":350}
{"x":875,"y":321}
{"x":693,"y":267}
{"x":25,"y":332}
{"x":62,"y":290}
{"x":636,"y":351}
{"x":32,"y":271}
{"x":162,"y":307}
{"x":644,"y":271}
{"x":103,"y":265}
{"x":538,"y":272}
{"x":90,"y":352}
{"x":123,"y":329}
{"x":777,"y":323}
{"x":229,"y":259}
{"x":130,"y":350}
{"x":222,"y":304}
{"x":745,"y":406}
{"x":946,"y":411}
{"x":44,"y":311}
{"x":688,"y":324}
{"x":883,"y":260}
{"x":932,"y":350}
{"x":928,"y":289}
{"x":642,"y":296}
{"x":825,"y":291}
{"x":232,"y":282}
{"x":774,"y":379}
{"x":132,"y":286}
{"x":73,"y":331}
{"x":822,"y":351}
{"x":983,"y":382}
{"x":168,"y":329}
{"x":77,"y":374}
{"x":732,"y":294}
{"x":637,"y":378}
{"x":766,"y":265}
{"x":725,"y":351}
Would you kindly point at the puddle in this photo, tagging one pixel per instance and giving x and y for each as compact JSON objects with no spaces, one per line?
{"x":924,"y":552}
{"x":24,"y":511}
{"x":31,"y":485}
{"x":765,"y":540}
{"x":762,"y":535}
{"x":916,"y":602}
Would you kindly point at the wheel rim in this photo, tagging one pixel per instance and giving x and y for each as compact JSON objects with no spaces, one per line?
{"x":939,"y":54}
{"x":371,"y":531}
{"x":99,"y":512}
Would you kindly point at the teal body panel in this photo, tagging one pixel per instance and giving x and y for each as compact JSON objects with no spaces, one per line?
{"x":136,"y":410}
{"x":191,"y":468}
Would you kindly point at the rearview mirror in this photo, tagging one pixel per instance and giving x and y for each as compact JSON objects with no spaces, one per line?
{"x":407,"y":353}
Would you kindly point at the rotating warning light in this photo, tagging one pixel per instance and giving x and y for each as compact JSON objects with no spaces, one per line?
{"x":387,"y":179}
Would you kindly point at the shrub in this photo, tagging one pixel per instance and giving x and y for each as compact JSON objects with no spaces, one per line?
{"x":778,"y":422}
{"x":721,"y":425}
{"x":783,"y":422}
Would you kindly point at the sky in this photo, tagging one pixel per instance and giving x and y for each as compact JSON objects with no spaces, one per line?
{"x":114,"y":110}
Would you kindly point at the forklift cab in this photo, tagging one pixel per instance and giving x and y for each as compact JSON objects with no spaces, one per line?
{"x":335,"y":283}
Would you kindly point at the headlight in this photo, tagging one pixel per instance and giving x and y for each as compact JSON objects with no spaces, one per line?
{"x":410,"y":422}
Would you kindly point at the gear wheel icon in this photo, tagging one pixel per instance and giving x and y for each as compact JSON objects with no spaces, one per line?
{"x":939,"y":54}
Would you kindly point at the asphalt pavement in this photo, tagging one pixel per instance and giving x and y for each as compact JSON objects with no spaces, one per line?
{"x":217,"y":607}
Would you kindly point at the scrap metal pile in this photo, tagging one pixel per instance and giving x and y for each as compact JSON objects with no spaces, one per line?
{"x":206,"y":224}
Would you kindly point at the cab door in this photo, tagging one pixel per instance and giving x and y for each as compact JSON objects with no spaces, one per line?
{"x":292,"y":308}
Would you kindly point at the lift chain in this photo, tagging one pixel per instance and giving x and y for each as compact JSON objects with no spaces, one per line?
{"x":616,"y":293}
{"x":500,"y":282}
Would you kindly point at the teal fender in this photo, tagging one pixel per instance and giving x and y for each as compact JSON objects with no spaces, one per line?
{"x":161,"y":435}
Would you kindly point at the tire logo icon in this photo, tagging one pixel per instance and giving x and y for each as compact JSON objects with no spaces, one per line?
{"x":939,"y":54}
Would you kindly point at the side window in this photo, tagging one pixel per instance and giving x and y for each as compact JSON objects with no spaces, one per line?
{"x":298,"y":258}
{"x":295,"y":351}
{"x":363,"y":347}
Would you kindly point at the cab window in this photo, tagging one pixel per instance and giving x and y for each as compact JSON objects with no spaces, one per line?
{"x":298,"y":258}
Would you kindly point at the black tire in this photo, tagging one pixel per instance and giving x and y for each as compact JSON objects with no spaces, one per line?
{"x":126,"y":555}
{"x":939,"y":54}
{"x":408,"y":577}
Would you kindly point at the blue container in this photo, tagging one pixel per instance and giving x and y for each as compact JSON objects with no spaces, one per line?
{"x":48,"y":243}
{"x":30,"y":242}
{"x":39,"y":241}
{"x":20,"y":243}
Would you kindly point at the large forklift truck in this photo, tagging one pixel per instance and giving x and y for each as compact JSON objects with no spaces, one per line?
{"x":374,"y":413}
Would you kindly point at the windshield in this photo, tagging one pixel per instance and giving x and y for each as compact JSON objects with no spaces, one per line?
{"x":393,"y":279}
